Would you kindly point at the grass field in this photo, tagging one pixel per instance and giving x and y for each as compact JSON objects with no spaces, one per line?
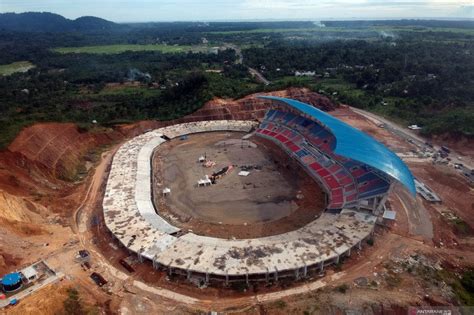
{"x":117,"y":49}
{"x":286,"y":30}
{"x":20,"y":66}
{"x":467,"y":31}
{"x":354,"y":30}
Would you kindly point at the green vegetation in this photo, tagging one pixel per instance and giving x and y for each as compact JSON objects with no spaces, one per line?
{"x":467,"y":282}
{"x":461,"y":227}
{"x":393,"y":280}
{"x":370,"y":31}
{"x":277,"y":30}
{"x":280,"y":304}
{"x":73,"y":304}
{"x":343,"y":288}
{"x":394,"y":30}
{"x":463,"y":287}
{"x":125,"y":90}
{"x":117,"y":49}
{"x":19,"y":66}
{"x":408,"y":79}
{"x":417,"y":71}
{"x":397,"y":29}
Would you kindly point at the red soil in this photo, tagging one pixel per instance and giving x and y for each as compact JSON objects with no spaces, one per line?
{"x":58,"y":147}
{"x":43,"y":156}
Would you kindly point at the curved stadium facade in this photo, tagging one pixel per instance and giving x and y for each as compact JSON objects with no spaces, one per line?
{"x":355,"y":171}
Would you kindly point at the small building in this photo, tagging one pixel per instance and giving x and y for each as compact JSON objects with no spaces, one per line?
{"x":83,"y":256}
{"x":214,"y":50}
{"x":414,"y":127}
{"x":426,"y":192}
{"x":305,"y":73}
{"x":29,"y":273}
{"x":389,"y":215}
{"x":12,"y":282}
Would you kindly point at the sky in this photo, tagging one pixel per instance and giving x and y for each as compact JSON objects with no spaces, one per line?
{"x":218,"y":10}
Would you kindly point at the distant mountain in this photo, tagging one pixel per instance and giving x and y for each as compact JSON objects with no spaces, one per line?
{"x":50,"y":22}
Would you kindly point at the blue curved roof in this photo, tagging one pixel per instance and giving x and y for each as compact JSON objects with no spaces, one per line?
{"x":357,"y":145}
{"x":11,"y":279}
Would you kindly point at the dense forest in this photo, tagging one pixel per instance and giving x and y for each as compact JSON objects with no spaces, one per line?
{"x":49,"y":22}
{"x":414,"y":71}
{"x":428,"y":83}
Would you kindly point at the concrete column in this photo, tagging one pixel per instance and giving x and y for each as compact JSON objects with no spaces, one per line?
{"x":321,"y":267}
{"x":276,"y":274}
{"x":383,"y":201}
{"x":266,"y":276}
{"x":337,"y":259}
{"x":349,"y":253}
{"x":297,"y":273}
{"x":247,"y":278}
{"x":188,"y":274}
{"x":359,"y":245}
{"x":207,"y":277}
{"x":305,"y":270}
{"x":226,"y":278}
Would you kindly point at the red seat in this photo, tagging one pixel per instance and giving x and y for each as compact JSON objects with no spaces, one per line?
{"x":282,"y":138}
{"x":334,"y":168}
{"x":315,"y":166}
{"x":331,"y":181}
{"x":337,"y":199}
{"x":323,"y":172}
{"x":345,"y":181}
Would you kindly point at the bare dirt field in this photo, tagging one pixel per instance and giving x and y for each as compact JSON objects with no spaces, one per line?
{"x":268,"y":201}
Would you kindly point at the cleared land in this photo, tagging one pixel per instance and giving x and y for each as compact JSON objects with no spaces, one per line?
{"x":20,"y":66}
{"x":271,"y":200}
{"x":393,"y":276}
{"x":117,"y":49}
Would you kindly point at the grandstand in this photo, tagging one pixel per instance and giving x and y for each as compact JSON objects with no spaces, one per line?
{"x":360,"y":177}
{"x":355,"y":171}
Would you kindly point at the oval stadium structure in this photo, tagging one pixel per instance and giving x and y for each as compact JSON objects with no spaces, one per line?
{"x":355,"y":171}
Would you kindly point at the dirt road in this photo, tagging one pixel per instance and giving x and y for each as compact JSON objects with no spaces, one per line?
{"x":259,"y":76}
{"x":419,"y":221}
{"x":414,"y":138}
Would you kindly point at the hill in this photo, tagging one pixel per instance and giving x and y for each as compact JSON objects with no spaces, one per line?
{"x":50,"y":22}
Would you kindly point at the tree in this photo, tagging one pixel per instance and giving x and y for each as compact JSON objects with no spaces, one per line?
{"x":72,"y":305}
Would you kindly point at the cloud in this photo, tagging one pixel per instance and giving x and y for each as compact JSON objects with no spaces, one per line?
{"x":168,"y":10}
{"x":466,"y":11}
